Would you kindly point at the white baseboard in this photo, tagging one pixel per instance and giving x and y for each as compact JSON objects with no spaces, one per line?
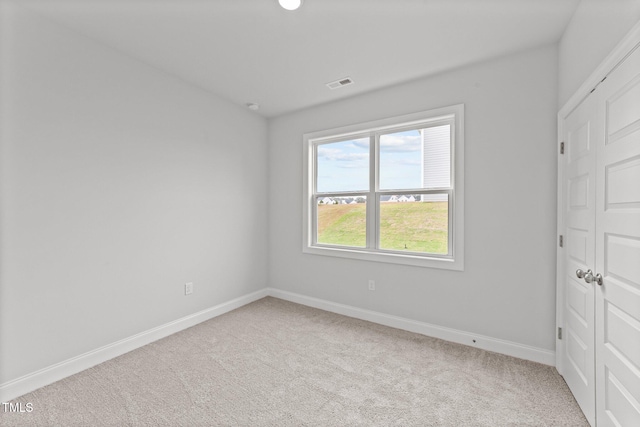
{"x":497,"y":345}
{"x":15,"y":388}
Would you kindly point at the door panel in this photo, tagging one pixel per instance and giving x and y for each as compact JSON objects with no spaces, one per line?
{"x":577,"y":301}
{"x":623,"y":108}
{"x":618,"y":248}
{"x":622,"y":251}
{"x":580,"y":146}
{"x":619,"y":195}
{"x":578,"y":248}
{"x":579,"y":190}
{"x":620,"y":408}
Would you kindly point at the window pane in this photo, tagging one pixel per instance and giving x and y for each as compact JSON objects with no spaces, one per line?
{"x":415,"y":223}
{"x":416,"y":159}
{"x":343,"y":166}
{"x":400,"y":160}
{"x":342,"y":221}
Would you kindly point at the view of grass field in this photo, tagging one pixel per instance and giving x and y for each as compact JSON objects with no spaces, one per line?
{"x":342,"y":224}
{"x":412,"y":227}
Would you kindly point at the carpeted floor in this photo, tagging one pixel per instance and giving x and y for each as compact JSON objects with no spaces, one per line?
{"x":275,"y":363}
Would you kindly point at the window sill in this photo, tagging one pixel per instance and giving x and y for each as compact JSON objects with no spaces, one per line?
{"x":444,"y":263}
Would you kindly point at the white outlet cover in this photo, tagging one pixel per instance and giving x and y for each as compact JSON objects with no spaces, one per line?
{"x":188,"y":288}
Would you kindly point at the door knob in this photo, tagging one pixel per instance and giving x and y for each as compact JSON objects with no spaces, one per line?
{"x":588,"y":277}
{"x":580,"y":274}
{"x":598,"y":279}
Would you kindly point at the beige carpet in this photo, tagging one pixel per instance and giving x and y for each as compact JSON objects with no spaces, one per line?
{"x":277,"y":363}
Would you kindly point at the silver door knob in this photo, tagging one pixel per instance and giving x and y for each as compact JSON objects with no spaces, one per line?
{"x":598,"y":279}
{"x":580,"y":274}
{"x":589,"y":276}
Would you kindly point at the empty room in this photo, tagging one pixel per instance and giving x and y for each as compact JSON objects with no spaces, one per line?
{"x":320,"y":212}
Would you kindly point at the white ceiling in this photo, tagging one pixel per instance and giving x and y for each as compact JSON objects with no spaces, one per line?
{"x":255,"y":51}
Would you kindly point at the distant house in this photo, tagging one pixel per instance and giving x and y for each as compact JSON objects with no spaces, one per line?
{"x":393,"y":199}
{"x":327,"y":201}
{"x":399,"y":199}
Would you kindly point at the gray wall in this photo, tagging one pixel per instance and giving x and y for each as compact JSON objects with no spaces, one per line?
{"x":116,"y":181}
{"x":595,"y":29}
{"x":119,"y":184}
{"x":507,"y":289}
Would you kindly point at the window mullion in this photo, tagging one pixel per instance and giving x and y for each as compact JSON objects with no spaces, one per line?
{"x":372,"y":210}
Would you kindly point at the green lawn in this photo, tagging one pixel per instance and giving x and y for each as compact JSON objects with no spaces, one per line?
{"x":412,"y":227}
{"x":342,"y":224}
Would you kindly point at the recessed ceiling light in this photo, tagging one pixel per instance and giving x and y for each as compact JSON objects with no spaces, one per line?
{"x":290,"y":4}
{"x":252,"y":106}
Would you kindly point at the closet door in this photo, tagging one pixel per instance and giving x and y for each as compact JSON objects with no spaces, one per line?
{"x":580,"y":134}
{"x":618,"y":248}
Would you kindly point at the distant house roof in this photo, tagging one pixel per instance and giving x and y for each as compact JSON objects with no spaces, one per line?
{"x":326,"y":201}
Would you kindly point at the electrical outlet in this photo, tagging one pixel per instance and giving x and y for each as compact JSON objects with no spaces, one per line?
{"x":188,"y":288}
{"x":372,"y":285}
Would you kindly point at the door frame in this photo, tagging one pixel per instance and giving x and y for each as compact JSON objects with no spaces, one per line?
{"x":623,"y":49}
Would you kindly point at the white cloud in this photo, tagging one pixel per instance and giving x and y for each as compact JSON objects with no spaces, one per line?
{"x":361,"y":143}
{"x":400,"y":143}
{"x":405,"y":162}
{"x":336,"y":154}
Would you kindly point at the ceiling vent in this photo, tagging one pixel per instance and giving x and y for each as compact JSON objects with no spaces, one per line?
{"x":339,"y":83}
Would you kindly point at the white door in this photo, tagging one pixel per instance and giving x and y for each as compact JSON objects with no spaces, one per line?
{"x":580,"y":129}
{"x":618,"y":248}
{"x":600,"y":353}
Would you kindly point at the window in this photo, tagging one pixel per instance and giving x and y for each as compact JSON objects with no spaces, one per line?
{"x":389,"y":190}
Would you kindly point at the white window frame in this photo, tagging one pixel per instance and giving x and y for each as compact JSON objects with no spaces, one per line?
{"x":453,"y":115}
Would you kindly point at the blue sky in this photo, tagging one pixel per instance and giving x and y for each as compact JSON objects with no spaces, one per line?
{"x":344,"y":165}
